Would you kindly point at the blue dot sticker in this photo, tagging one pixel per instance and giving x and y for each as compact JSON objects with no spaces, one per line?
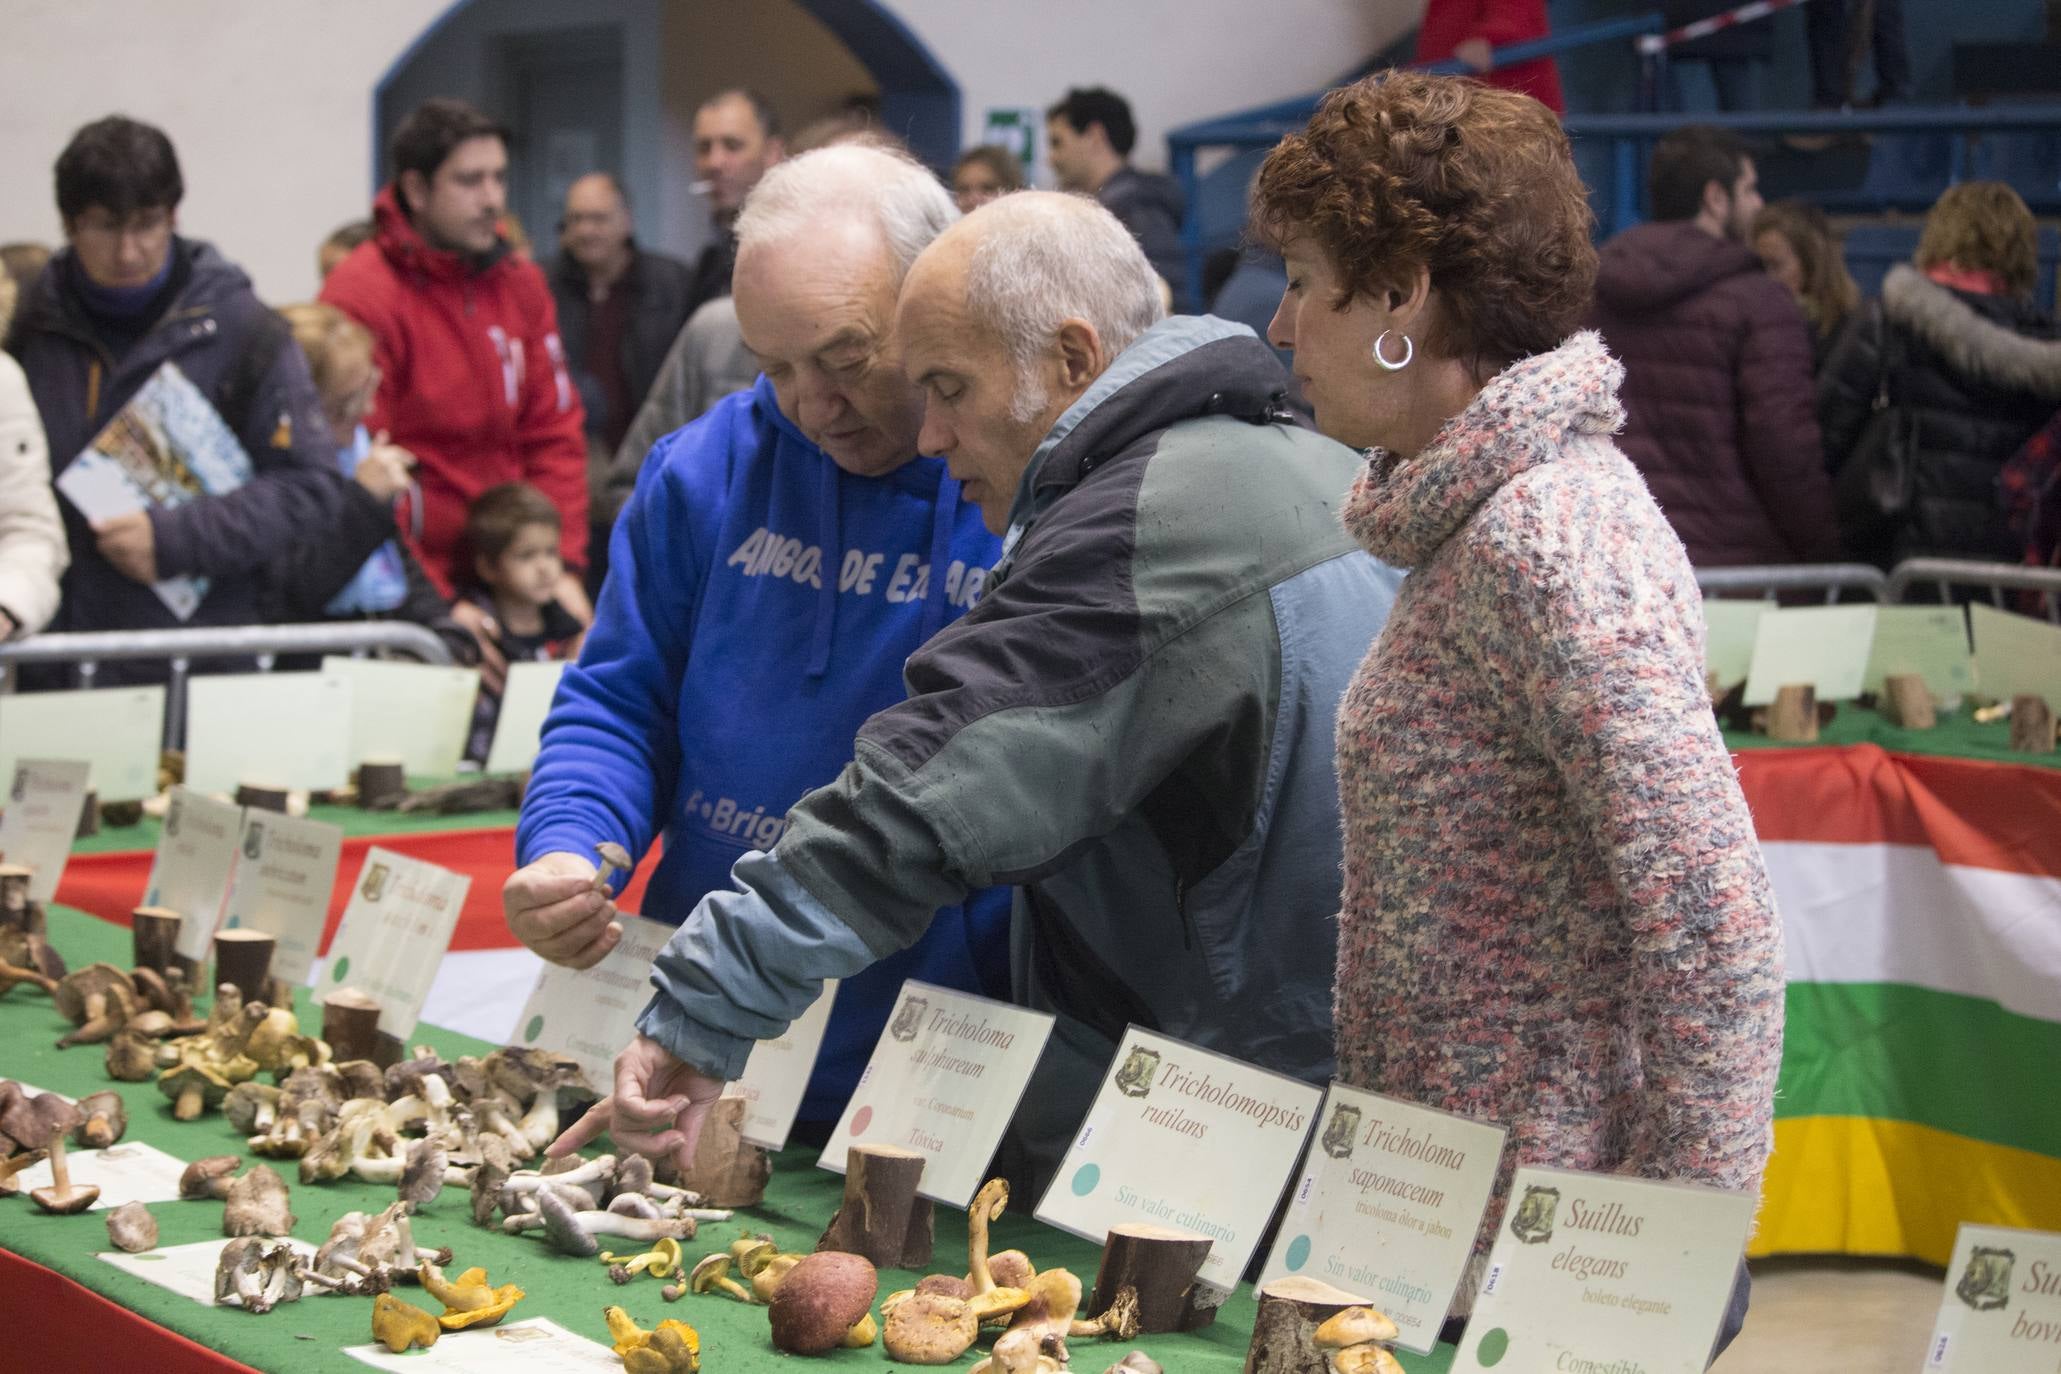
{"x":1086,"y":1179}
{"x":1298,"y":1253}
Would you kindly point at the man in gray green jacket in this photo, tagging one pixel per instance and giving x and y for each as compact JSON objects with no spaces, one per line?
{"x":1133,"y":727}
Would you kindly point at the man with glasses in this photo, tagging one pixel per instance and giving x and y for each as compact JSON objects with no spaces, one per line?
{"x":130,"y":303}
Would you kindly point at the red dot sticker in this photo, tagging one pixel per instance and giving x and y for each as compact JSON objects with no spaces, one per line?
{"x":861,"y":1119}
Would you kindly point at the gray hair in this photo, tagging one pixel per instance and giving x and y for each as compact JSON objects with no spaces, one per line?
{"x":804,"y":193}
{"x":1044,"y":258}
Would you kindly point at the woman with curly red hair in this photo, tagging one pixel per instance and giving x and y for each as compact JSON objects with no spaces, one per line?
{"x":1555,"y":912}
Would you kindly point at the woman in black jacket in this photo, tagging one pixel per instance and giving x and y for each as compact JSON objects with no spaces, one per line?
{"x":1937,"y":384}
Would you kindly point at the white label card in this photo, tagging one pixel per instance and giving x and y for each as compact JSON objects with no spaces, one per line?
{"x":395,"y":931}
{"x":1826,"y":646}
{"x":590,"y":1014}
{"x":944,"y":1079}
{"x":536,"y":1346}
{"x":284,"y":875}
{"x":1729,"y":628}
{"x":2001,"y":1312}
{"x":1388,"y":1207}
{"x":776,"y":1077}
{"x":418,"y":713}
{"x":2015,"y":654}
{"x":196,"y":856}
{"x":1931,"y":641}
{"x":519,"y":723}
{"x":189,"y":1270}
{"x":128,"y":1171}
{"x":117,"y":730}
{"x":1181,"y":1137}
{"x":288,"y":730}
{"x":1598,"y":1271}
{"x":44,"y":801}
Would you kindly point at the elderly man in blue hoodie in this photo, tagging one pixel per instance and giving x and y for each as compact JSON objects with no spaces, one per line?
{"x":780,"y":559}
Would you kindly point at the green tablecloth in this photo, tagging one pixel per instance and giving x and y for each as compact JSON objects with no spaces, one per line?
{"x":306,"y":1336}
{"x":1956,"y":736}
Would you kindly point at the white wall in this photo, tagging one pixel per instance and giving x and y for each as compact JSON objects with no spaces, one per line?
{"x":270,"y":101}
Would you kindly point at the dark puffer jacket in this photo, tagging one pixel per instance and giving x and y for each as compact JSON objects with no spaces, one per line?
{"x":1717,"y":396}
{"x":1975,"y":376}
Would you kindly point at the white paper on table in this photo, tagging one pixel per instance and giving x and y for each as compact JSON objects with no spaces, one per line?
{"x":1182,"y":1137}
{"x":189,"y":1270}
{"x":196,"y":858}
{"x":589,"y":1015}
{"x":2016,"y":655}
{"x":127,"y":1171}
{"x":944,"y":1079}
{"x":1390,"y":1202}
{"x":519,"y":722}
{"x":284,"y":875}
{"x":418,"y":713}
{"x":44,"y":804}
{"x":1728,"y":631}
{"x":395,"y":932}
{"x":2001,"y":1311}
{"x":1601,"y":1271}
{"x":118,"y":730}
{"x":536,"y":1346}
{"x":1825,"y":646}
{"x":1931,"y":641}
{"x":288,"y":730}
{"x":776,"y":1077}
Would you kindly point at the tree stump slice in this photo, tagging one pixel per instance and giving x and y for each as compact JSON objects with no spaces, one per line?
{"x":89,"y":814}
{"x":244,"y":958}
{"x":1160,"y":1264}
{"x":2032,"y":725}
{"x":350,"y":1023}
{"x":382,"y":783}
{"x":261,"y":797}
{"x":881,"y":1216}
{"x":153,"y":935}
{"x":16,"y":910}
{"x":1794,"y":716}
{"x":728,"y":1170}
{"x":1908,"y":703}
{"x":1290,"y":1311}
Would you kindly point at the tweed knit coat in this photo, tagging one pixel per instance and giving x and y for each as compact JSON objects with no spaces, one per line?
{"x":1555,"y":915}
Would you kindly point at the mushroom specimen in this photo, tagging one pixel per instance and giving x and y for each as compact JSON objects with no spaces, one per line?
{"x":469,"y":1299}
{"x":1017,"y":1352}
{"x":930,"y":1328}
{"x":105,"y":1120}
{"x":41,"y":1123}
{"x":402,"y":1326}
{"x":614,"y":859}
{"x":257,"y":1274}
{"x":1137,"y":1362}
{"x":251,"y":1108}
{"x":132,"y":1051}
{"x":1354,"y":1336}
{"x":821,"y":1300}
{"x":573,"y":1231}
{"x":374,"y":1251}
{"x":659,"y":1262}
{"x":542,"y":1084}
{"x":256,"y":1205}
{"x":97,"y":1000}
{"x":131,"y":1227}
{"x":671,"y":1347}
{"x":766,"y":1278}
{"x":712,"y":1275}
{"x":210,"y":1177}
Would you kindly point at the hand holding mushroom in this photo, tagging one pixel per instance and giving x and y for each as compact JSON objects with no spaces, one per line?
{"x":555,"y":908}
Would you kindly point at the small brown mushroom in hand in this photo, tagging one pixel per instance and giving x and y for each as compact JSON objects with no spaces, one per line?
{"x":131,"y":1227}
{"x":614,"y":859}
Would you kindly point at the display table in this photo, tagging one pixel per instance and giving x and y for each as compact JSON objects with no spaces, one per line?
{"x":1919,"y":878}
{"x":64,"y":1309}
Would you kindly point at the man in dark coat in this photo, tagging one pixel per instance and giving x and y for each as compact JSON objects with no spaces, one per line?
{"x":737,"y":139}
{"x":1720,"y":414}
{"x":1089,"y":137}
{"x":126,"y":300}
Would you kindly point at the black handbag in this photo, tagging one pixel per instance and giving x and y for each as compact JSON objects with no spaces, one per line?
{"x":1876,"y":487}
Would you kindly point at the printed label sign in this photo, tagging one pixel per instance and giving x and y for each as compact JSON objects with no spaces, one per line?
{"x":589,"y":1015}
{"x":196,"y":856}
{"x":1182,"y":1137}
{"x":44,"y":803}
{"x":945,"y":1077}
{"x":1599,"y":1271}
{"x":777,"y":1075}
{"x":117,"y":730}
{"x":285,"y":871}
{"x":394,"y":934}
{"x":2001,"y":1312}
{"x":1388,"y":1207}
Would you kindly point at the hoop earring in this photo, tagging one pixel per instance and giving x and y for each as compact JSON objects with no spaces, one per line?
{"x":1409,"y":352}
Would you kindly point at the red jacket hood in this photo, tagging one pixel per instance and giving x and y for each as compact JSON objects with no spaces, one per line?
{"x":409,"y":252}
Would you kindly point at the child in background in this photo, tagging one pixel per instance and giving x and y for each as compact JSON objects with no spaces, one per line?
{"x":361,"y":570}
{"x":511,"y":533}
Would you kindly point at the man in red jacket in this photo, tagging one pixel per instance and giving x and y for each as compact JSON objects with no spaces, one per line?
{"x":473,"y":377}
{"x":1720,"y":410}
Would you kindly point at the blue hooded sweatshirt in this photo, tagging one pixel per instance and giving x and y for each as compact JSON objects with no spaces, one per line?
{"x":759,"y":607}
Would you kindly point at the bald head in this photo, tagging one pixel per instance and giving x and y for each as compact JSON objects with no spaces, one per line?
{"x":1006,"y":319}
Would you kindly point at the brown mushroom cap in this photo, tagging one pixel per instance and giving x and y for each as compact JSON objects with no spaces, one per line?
{"x":1012,"y":1269}
{"x":43,"y":1121}
{"x":131,"y":1227}
{"x":930,"y":1328}
{"x":74,"y":988}
{"x":103,"y":1119}
{"x":612,"y":853}
{"x":209,"y":1178}
{"x":1354,"y":1326}
{"x":820,"y":1300}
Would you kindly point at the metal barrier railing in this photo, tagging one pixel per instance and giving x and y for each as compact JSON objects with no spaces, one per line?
{"x":1944,"y":575}
{"x":179,"y":649}
{"x":1768,"y":582}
